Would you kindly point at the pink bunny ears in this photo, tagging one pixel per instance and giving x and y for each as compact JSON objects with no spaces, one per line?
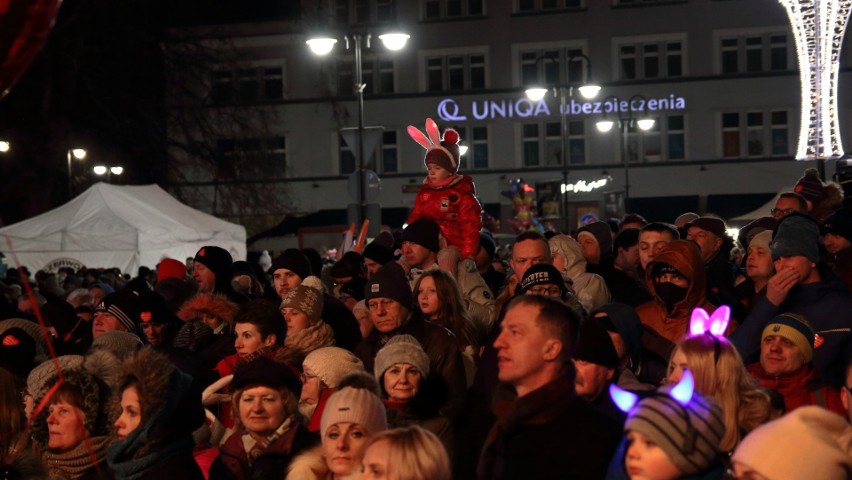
{"x":440,"y":151}
{"x":701,"y":322}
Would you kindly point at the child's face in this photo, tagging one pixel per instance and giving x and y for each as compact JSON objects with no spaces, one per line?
{"x":437,"y":173}
{"x":647,"y":461}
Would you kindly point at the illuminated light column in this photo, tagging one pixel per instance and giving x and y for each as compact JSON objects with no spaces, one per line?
{"x":818,"y":28}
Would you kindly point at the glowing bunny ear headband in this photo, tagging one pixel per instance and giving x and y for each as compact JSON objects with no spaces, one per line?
{"x":441,"y":151}
{"x":701,"y":323}
{"x":682,"y":393}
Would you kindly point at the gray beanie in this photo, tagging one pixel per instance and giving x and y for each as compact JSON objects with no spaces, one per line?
{"x":796,"y":235}
{"x":401,"y":349}
{"x":331,"y":364}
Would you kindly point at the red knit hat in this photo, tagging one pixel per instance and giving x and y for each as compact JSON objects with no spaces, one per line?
{"x":171,"y":268}
{"x":443,"y":152}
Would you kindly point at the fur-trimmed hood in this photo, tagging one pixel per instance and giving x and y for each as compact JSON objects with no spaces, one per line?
{"x":213,"y":304}
{"x":310,"y":465}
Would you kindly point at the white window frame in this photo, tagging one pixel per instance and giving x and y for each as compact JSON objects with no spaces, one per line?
{"x":741,"y":34}
{"x":639,"y":41}
{"x":466,"y":52}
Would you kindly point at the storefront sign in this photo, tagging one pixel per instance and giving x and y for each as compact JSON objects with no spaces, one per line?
{"x":581,"y":186}
{"x":450,"y":110}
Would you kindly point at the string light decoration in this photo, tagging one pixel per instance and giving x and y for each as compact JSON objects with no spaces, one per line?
{"x":818,"y":28}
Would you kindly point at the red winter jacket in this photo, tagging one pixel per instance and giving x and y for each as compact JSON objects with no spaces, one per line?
{"x":800,"y":389}
{"x":456,"y":210}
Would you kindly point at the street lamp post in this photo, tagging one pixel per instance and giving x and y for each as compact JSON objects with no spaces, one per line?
{"x":79,"y":154}
{"x":323,"y":46}
{"x":564,"y":90}
{"x":625,"y":122}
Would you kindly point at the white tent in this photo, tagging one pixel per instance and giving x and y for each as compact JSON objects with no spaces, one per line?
{"x":762,"y":211}
{"x":118,"y":226}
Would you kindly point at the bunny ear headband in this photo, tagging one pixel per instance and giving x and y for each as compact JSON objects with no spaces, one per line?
{"x":682,"y":393}
{"x":715,"y":325}
{"x":434,"y":140}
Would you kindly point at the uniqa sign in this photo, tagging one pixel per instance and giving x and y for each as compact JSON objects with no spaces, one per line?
{"x":449,"y":109}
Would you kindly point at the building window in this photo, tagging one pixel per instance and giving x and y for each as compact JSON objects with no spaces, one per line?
{"x":455,"y":72}
{"x":547,"y":72}
{"x":654,"y":59}
{"x":251,"y":158}
{"x":752,"y":53}
{"x":349,"y":12}
{"x":757,"y":134}
{"x":247,"y":85}
{"x":377,"y":75}
{"x":442,"y":9}
{"x":475,"y":138}
{"x":389,"y":152}
{"x":536,"y":6}
{"x":543,"y":143}
{"x":665,"y":141}
{"x":382,"y":159}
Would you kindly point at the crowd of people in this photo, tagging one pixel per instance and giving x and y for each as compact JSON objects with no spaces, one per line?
{"x":625,"y":349}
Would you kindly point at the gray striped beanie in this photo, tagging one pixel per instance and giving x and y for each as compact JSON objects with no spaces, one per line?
{"x":690,"y":435}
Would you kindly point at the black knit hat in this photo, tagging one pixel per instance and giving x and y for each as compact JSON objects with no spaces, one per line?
{"x":378,"y":252}
{"x":123,"y":305}
{"x":294,"y":260}
{"x":60,"y":314}
{"x":594,"y":345}
{"x":354,"y":288}
{"x":17,"y":352}
{"x":153,"y":310}
{"x":840,"y":223}
{"x":389,"y":282}
{"x":423,"y":232}
{"x":541,"y":274}
{"x":263,"y":371}
{"x":350,"y":265}
{"x":810,"y":186}
{"x":217,"y":260}
{"x":602,"y":234}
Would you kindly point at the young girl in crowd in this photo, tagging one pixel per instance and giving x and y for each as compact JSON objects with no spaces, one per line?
{"x":439,"y":300}
{"x":447,"y":197}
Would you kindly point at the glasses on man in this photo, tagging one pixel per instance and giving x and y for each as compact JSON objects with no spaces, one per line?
{"x":549,"y":290}
{"x":781,"y":212}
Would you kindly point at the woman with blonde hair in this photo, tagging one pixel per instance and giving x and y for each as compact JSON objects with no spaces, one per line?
{"x":719,"y":373}
{"x":406,"y":454}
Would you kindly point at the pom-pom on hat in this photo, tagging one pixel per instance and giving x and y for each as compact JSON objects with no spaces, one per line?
{"x":354,"y":405}
{"x":441,"y":151}
{"x":401,"y":349}
{"x":307,"y":298}
{"x":811,"y":187}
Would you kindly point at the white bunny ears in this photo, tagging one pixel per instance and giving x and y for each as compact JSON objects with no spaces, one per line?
{"x":432,"y":142}
{"x":701,"y":322}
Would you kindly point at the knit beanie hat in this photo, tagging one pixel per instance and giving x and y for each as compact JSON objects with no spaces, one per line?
{"x":423,"y":232}
{"x":294,"y":260}
{"x":266,"y":372}
{"x":123,"y":305}
{"x":171,"y":268}
{"x":688,"y":434}
{"x":714,"y":225}
{"x":594,"y":345}
{"x":17,"y":352}
{"x":601,"y":233}
{"x":795,"y":328}
{"x":808,"y":443}
{"x":33,"y":329}
{"x":331,"y":364}
{"x":154,"y":310}
{"x":354,"y":405}
{"x":541,"y":274}
{"x":378,"y":252}
{"x":839,"y":223}
{"x":401,"y":349}
{"x":810,"y":186}
{"x":354,"y":288}
{"x":306,"y":298}
{"x":60,"y":314}
{"x":37,"y":379}
{"x":218,"y":260}
{"x":441,"y":151}
{"x":121,"y":344}
{"x":391,"y":282}
{"x":487,"y":242}
{"x":796,"y":235}
{"x":761,"y":240}
{"x":350,"y":265}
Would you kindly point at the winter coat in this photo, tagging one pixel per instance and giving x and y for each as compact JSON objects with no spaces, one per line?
{"x":233,"y":462}
{"x":548,"y":433}
{"x":590,"y":288}
{"x":800,"y":389}
{"x":422,"y":410}
{"x":455,"y":209}
{"x":841,"y":262}
{"x":445,"y":358}
{"x":826,"y":305}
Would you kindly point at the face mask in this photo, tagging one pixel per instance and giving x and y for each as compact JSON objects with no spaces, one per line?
{"x":670,"y":293}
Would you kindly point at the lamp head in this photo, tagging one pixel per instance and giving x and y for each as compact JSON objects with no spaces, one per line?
{"x":321,"y":45}
{"x":604,"y":126}
{"x":589,"y":91}
{"x":536,"y":93}
{"x":395,"y":40}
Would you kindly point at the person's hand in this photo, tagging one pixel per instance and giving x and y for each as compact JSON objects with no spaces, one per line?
{"x":780,"y":284}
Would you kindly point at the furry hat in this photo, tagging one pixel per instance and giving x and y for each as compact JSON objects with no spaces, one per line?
{"x":354,"y":405}
{"x":37,"y":379}
{"x":401,"y":349}
{"x":331,"y":364}
{"x":441,"y":151}
{"x":210,"y":303}
{"x":306,"y":298}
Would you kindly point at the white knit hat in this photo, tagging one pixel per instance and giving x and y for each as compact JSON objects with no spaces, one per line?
{"x":331,"y":364}
{"x":401,"y":349}
{"x":354,"y":405}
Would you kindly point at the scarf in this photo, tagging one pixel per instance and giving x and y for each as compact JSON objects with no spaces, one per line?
{"x":513,"y":413}
{"x":315,"y":336}
{"x":74,"y":463}
{"x":255,"y":448}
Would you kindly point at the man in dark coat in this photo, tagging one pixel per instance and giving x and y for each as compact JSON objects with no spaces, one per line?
{"x":543,"y":429}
